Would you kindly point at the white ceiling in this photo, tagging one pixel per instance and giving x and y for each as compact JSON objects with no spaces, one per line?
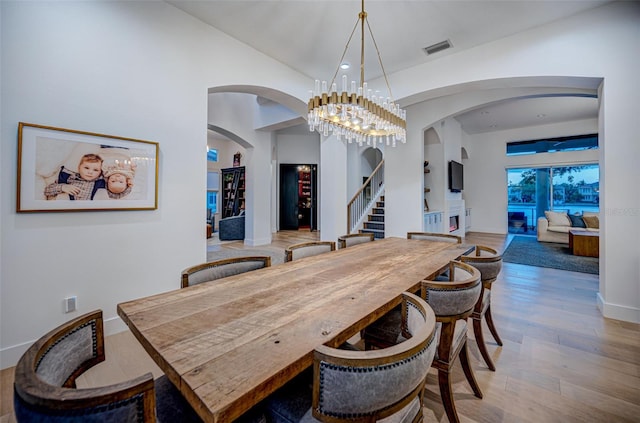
{"x":310,"y":36}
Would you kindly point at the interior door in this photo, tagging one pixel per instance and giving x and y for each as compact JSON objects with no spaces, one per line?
{"x":288,"y":197}
{"x":298,"y":197}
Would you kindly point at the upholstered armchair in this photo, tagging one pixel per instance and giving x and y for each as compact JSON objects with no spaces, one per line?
{"x":489,"y":262}
{"x":353,"y":239}
{"x":453,"y":301}
{"x":364,"y":386}
{"x":218,"y":269}
{"x":45,"y":383}
{"x":431,"y":236}
{"x":231,"y":228}
{"x":307,"y":249}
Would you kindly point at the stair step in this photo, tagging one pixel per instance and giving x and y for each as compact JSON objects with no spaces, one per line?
{"x":377,"y":210}
{"x":374,"y":225}
{"x":377,"y":234}
{"x":380,"y":204}
{"x":376,"y":218}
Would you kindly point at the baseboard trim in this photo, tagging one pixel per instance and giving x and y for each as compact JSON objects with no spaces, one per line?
{"x":257,"y":242}
{"x":617,"y":311}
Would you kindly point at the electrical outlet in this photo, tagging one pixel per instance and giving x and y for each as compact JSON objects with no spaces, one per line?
{"x":70,"y":304}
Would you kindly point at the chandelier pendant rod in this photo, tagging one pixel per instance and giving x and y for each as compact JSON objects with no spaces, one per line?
{"x":357,"y":114}
{"x":363,"y":17}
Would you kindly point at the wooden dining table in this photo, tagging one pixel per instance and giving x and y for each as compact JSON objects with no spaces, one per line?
{"x":228,"y":344}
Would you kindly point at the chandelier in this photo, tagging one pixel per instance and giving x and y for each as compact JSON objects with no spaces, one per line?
{"x":356,"y":113}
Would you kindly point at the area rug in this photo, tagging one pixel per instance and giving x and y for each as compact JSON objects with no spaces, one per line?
{"x":527,"y":250}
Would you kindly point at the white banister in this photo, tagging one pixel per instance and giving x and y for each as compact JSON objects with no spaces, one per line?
{"x":365,"y":198}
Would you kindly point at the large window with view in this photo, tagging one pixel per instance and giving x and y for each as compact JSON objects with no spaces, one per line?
{"x":573,"y":189}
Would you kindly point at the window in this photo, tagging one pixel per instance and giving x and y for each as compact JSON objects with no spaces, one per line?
{"x":212,"y":192}
{"x":553,"y":145}
{"x":531,"y":191}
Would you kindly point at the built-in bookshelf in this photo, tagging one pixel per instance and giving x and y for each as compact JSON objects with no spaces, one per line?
{"x":233,"y":189}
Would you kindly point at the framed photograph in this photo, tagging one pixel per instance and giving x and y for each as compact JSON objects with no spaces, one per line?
{"x":68,"y":170}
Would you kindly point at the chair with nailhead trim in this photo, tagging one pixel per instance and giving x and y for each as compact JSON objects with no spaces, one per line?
{"x":489,"y":262}
{"x":354,"y":239}
{"x":349,"y":386}
{"x":307,"y":249}
{"x":45,"y":383}
{"x":222,"y":268}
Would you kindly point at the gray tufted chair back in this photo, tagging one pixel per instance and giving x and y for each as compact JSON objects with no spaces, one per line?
{"x":456,"y":297}
{"x":431,"y":236}
{"x":222,"y":268}
{"x":354,"y":239}
{"x":307,"y":249}
{"x":372,"y":385}
{"x":45,"y":380}
{"x":487,"y":260}
{"x":453,"y":301}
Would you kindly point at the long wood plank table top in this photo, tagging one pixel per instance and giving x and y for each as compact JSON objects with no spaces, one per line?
{"x":228,"y":344}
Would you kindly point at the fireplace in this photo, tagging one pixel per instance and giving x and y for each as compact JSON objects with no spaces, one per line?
{"x":454,"y":223}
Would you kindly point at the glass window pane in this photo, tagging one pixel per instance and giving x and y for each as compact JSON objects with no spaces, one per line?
{"x":532,"y":191}
{"x":576,"y":189}
{"x":212,"y":201}
{"x":522,"y":189}
{"x":552,"y":145}
{"x":213,"y":181}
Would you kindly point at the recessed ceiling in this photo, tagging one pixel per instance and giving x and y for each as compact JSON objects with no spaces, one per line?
{"x":524,"y":112}
{"x":310,"y":36}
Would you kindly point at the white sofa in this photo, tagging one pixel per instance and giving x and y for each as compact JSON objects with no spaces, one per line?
{"x":555,"y":226}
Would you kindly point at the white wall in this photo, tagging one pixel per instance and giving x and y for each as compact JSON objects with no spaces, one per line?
{"x":133,"y":69}
{"x":592,"y":45}
{"x":485,"y":175}
{"x":142,"y":70}
{"x":297,"y":149}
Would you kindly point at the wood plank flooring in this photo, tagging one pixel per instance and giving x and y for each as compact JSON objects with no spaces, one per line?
{"x":561,"y":360}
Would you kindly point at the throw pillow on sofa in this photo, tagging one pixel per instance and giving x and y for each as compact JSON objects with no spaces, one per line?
{"x":577,"y":221}
{"x":557,"y":218}
{"x":592,"y":222}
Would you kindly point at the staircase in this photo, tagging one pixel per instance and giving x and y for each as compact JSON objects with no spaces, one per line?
{"x":369,"y":199}
{"x":375,"y":221}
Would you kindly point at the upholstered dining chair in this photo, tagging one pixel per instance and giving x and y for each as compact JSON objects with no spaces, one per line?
{"x":222,"y":268}
{"x":307,"y":249}
{"x":432,"y":236}
{"x":364,"y":386}
{"x":45,"y":383}
{"x":489,"y":262}
{"x":453,"y":302}
{"x":353,"y":239}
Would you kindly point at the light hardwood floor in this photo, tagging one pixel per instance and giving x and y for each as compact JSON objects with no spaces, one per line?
{"x":561,"y":360}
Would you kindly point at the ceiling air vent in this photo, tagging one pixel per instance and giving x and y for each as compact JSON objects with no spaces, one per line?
{"x":434,"y":48}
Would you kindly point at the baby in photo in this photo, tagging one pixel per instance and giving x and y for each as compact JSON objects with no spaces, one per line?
{"x":119,"y":176}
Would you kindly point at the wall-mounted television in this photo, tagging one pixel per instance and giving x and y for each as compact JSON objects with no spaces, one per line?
{"x":456,"y":176}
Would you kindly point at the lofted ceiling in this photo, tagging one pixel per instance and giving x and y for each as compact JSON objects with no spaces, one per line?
{"x":311,"y":35}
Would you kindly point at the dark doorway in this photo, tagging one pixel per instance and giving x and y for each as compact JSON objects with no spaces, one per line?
{"x":298,"y":196}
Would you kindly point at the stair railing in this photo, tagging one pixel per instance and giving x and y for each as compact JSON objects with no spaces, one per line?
{"x":364,"y":199}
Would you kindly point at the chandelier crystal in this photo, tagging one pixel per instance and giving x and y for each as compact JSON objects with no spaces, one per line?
{"x":355,"y":113}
